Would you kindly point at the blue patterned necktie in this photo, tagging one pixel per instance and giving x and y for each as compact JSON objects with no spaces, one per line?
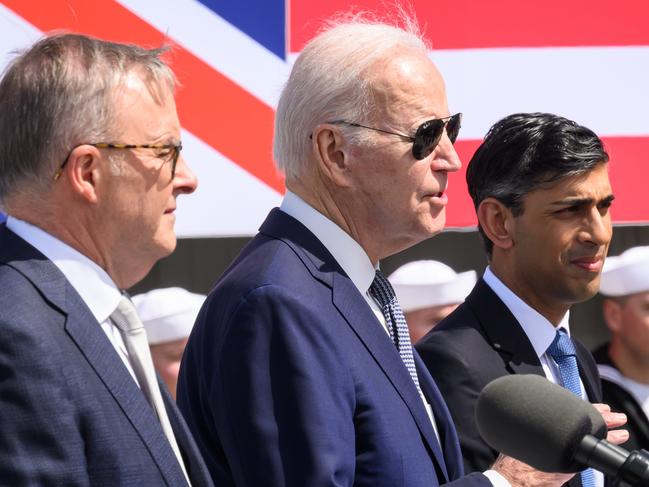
{"x":381,"y":290}
{"x":563,"y":352}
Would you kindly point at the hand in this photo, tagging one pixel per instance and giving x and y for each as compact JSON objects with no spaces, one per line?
{"x":520,"y":474}
{"x":613,"y":420}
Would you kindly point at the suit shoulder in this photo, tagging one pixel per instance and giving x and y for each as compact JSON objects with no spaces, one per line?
{"x":19,"y":295}
{"x":265,"y":260}
{"x":460,"y":327}
{"x":457,"y":341}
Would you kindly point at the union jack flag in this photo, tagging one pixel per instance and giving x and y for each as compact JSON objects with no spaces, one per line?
{"x":587,"y":60}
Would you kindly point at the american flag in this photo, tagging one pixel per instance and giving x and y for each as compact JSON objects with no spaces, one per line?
{"x":587,"y":60}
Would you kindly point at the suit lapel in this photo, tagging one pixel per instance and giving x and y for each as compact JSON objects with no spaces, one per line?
{"x":508,"y":338}
{"x":453,"y":466}
{"x":86,"y":333}
{"x":588,"y":373}
{"x":353,"y":308}
{"x":360,"y":318}
{"x":196,"y":467}
{"x":103,"y":358}
{"x":503,"y":330}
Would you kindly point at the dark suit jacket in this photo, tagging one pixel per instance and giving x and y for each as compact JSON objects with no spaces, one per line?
{"x":477,"y":343}
{"x":70,"y":412}
{"x":622,"y":401}
{"x":289,"y":379}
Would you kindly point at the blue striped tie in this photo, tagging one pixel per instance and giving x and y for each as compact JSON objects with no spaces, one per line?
{"x":381,"y":290}
{"x":563,"y":352}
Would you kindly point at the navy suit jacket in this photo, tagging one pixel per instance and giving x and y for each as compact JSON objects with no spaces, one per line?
{"x":477,"y":343}
{"x":70,"y":412}
{"x":289,"y":380}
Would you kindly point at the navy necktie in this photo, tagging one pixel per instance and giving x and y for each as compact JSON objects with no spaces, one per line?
{"x":381,"y":290}
{"x":563,"y":352}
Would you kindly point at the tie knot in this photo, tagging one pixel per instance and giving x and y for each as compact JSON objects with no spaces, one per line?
{"x":562,"y":345}
{"x":125,"y":316}
{"x":381,"y":289}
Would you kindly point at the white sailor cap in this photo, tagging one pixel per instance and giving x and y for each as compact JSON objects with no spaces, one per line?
{"x":628,"y":273}
{"x":168,"y":314}
{"x":426,"y":283}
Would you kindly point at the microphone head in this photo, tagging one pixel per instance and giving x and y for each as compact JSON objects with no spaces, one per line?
{"x":533,"y":420}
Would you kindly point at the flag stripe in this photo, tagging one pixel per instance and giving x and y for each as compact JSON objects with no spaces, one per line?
{"x":267,"y":26}
{"x":218,"y":43}
{"x":210,"y":105}
{"x":468,"y":24}
{"x":231,"y":83}
{"x":604,"y":88}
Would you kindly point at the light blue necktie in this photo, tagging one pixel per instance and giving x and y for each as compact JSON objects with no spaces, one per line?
{"x":563,"y":352}
{"x":381,"y":290}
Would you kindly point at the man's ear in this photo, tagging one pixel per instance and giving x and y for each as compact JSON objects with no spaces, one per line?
{"x":84,"y":171}
{"x":612,"y":311}
{"x":332,"y":154}
{"x":497,"y":222}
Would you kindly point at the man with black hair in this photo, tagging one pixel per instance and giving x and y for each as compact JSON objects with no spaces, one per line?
{"x":540,"y":186}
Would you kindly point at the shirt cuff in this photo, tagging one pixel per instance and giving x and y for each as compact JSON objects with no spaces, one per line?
{"x":496,"y":479}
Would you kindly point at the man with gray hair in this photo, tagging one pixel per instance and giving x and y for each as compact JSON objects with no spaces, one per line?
{"x":90,"y":169}
{"x":299,"y":370}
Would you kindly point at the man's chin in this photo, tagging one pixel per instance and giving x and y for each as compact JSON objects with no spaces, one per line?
{"x":166,"y":245}
{"x":436,"y":223}
{"x":586,"y":292}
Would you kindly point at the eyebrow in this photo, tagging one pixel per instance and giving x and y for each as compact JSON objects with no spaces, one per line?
{"x":583,"y":201}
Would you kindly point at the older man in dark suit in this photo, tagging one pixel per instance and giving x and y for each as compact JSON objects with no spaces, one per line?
{"x":541,"y":190}
{"x":299,"y":370}
{"x":90,"y":169}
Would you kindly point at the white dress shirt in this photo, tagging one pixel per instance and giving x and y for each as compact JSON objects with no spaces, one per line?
{"x":95,"y":287}
{"x":357,"y":265}
{"x":539,"y":331}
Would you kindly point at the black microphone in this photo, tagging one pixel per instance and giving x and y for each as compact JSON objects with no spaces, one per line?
{"x":546,"y":426}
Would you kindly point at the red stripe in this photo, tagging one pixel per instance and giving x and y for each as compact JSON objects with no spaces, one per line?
{"x":466,"y":24}
{"x":210,"y":106}
{"x":629,"y":173}
{"x":239,"y":126}
{"x":628,"y":170}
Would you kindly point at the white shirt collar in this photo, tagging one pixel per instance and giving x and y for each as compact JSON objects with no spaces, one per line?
{"x":347,"y":252}
{"x":93,"y":284}
{"x":538,"y":329}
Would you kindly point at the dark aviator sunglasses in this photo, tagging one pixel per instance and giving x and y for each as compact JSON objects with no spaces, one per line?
{"x":426,"y":137}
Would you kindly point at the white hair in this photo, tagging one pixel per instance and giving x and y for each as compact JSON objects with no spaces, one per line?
{"x":328,"y":81}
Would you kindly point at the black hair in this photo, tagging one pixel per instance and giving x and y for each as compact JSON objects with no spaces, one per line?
{"x":525,"y":151}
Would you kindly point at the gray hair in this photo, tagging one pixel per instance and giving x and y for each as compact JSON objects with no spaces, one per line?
{"x":58,"y":94}
{"x":328,"y":81}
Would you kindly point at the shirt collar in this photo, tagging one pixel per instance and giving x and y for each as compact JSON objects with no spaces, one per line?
{"x":91,"y":282}
{"x":538,"y":329}
{"x":347,"y":252}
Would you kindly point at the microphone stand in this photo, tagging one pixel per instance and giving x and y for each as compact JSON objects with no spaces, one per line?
{"x":626,"y":469}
